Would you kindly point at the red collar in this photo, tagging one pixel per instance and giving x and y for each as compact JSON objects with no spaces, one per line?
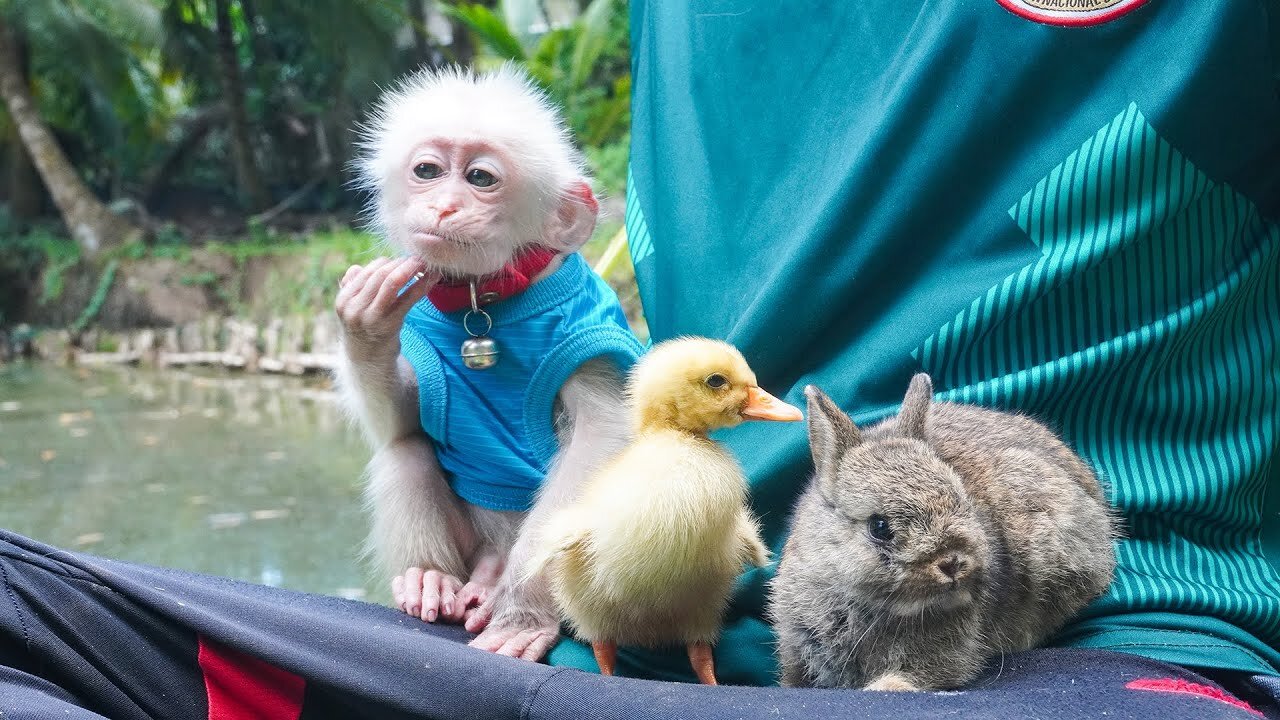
{"x":513,"y":279}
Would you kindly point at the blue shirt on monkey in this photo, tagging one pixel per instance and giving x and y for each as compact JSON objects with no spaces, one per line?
{"x":493,"y":429}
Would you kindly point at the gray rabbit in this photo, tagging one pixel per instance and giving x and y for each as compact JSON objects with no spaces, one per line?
{"x":931,"y":542}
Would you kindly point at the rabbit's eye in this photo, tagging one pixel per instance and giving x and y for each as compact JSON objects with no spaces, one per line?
{"x":878,"y":526}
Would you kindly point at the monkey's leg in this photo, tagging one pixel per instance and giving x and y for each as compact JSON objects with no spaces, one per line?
{"x":606,"y":655}
{"x":520,"y":618}
{"x":418,"y":525}
{"x":703,"y":663}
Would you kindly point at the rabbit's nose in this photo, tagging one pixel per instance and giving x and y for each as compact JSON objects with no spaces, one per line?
{"x":953,"y":566}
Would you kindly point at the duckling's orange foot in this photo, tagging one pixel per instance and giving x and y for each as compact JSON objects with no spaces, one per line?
{"x":428,"y":594}
{"x":606,"y":655}
{"x":704,"y":665}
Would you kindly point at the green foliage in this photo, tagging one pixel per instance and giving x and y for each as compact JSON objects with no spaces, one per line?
{"x":584,"y":67}
{"x":99,"y":297}
{"x":38,"y":251}
{"x":136,"y":98}
{"x":491,"y":29}
{"x":307,"y":280}
{"x":207,"y":278}
{"x":610,"y":163}
{"x":91,"y":69}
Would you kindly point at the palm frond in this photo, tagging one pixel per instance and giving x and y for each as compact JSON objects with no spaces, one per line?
{"x":490,"y":28}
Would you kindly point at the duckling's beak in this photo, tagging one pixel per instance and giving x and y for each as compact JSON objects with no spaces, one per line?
{"x":763,"y":406}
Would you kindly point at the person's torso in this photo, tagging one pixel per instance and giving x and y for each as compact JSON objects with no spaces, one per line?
{"x":1075,"y":222}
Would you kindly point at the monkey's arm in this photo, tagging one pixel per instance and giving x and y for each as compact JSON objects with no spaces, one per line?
{"x":420,"y":533}
{"x":520,"y":618}
{"x":377,"y":385}
{"x":381,"y":394}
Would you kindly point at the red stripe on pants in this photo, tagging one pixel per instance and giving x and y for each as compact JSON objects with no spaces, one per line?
{"x":242,"y":687}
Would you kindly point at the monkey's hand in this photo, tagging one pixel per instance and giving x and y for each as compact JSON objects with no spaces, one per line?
{"x":432,"y":594}
{"x":372,"y":308}
{"x":429,"y":594}
{"x":516,"y":623}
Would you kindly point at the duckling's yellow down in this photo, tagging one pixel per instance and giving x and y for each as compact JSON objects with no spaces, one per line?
{"x":648,"y":554}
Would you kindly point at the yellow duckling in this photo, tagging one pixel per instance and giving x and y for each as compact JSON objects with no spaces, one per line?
{"x":648,"y":554}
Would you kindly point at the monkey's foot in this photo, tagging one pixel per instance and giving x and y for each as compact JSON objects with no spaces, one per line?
{"x":517,"y":641}
{"x":430,"y":594}
{"x":704,"y":665}
{"x":606,"y":655}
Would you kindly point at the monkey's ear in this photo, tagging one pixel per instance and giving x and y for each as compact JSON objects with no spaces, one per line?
{"x":575,"y":218}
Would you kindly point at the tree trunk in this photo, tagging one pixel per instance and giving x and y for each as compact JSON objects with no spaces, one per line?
{"x":464,"y":45}
{"x":193,"y":131}
{"x":92,"y":225}
{"x":249,"y":184}
{"x":26,"y":193}
{"x":418,"y":24}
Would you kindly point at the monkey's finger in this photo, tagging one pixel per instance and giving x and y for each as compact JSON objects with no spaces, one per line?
{"x":473,"y":593}
{"x":415,"y":292}
{"x":518,"y":643}
{"x":539,"y":646}
{"x":478,"y":619}
{"x":413,"y":591}
{"x":492,"y":639}
{"x":356,"y":283}
{"x":397,"y":590}
{"x":471,"y":612}
{"x":430,"y":596}
{"x":451,"y":609}
{"x":348,"y":275}
{"x":388,"y":293}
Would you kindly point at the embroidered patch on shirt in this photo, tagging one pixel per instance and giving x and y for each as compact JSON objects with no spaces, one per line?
{"x":1071,"y":13}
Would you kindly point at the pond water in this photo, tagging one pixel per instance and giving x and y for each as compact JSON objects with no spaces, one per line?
{"x":244,"y":476}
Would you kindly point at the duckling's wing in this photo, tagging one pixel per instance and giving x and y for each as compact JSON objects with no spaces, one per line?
{"x":563,"y":532}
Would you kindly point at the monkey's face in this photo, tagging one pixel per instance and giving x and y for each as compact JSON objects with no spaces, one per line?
{"x":463,"y":206}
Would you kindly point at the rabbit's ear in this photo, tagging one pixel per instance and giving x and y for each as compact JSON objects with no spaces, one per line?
{"x":915,"y":406}
{"x":831,"y":432}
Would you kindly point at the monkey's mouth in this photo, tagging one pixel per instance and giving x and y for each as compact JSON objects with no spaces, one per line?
{"x":428,"y":238}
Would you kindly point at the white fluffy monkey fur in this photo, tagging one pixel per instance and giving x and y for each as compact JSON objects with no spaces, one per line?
{"x":464,"y":170}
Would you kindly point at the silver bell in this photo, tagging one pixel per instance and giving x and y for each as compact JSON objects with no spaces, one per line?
{"x":480,"y":353}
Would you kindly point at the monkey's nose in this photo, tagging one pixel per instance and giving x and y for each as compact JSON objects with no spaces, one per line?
{"x":447,"y":211}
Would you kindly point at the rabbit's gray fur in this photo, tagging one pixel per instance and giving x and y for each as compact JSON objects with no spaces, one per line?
{"x":1016,"y":516}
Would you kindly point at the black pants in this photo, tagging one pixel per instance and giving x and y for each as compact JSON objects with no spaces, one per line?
{"x":85,"y":637}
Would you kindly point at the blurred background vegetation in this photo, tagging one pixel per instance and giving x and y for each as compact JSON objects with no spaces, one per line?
{"x":178,"y":169}
{"x":135,"y":129}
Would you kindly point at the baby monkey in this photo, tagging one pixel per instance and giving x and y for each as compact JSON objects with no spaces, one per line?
{"x":476,"y":186}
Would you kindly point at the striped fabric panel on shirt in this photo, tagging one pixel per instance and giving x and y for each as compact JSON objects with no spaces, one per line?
{"x":637,"y":229}
{"x":1146,"y":333}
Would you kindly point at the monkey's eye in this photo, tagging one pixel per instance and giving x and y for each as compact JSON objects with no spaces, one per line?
{"x":427,"y":171}
{"x":481,"y":178}
{"x":716,"y":381}
{"x":878,"y":526}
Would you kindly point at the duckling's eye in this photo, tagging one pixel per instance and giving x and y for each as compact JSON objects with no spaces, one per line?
{"x":878,"y":526}
{"x":716,"y":381}
{"x":427,"y":171}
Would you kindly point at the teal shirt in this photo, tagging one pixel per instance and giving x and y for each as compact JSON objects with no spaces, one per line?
{"x":1078,"y":223}
{"x":493,"y":429}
